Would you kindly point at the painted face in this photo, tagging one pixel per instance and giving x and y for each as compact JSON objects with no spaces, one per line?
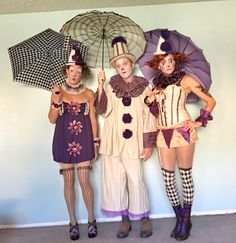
{"x":74,"y":74}
{"x":125,"y":67}
{"x":167,"y":65}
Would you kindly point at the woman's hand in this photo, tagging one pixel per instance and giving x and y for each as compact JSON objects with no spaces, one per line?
{"x":150,"y":96}
{"x":96,"y":154}
{"x":190,"y":125}
{"x":56,"y":95}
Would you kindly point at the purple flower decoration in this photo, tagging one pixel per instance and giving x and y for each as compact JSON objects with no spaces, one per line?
{"x":126,"y":101}
{"x":74,"y":46}
{"x":127,"y":118}
{"x":75,"y":127}
{"x":74,"y":148}
{"x":76,"y":57}
{"x":74,"y":108}
{"x":127,"y":134}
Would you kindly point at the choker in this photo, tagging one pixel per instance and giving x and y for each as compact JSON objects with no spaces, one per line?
{"x":77,"y":89}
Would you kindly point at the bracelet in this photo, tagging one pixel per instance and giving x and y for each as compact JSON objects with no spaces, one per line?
{"x":56,"y":106}
{"x":97,"y":141}
{"x":204,"y":117}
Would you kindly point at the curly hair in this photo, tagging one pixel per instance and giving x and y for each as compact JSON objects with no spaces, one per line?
{"x":154,"y":63}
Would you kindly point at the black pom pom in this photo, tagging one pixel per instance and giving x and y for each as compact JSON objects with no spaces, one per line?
{"x":118,"y":39}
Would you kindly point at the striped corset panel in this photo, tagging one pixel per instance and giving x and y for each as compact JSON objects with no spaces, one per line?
{"x":172,"y":106}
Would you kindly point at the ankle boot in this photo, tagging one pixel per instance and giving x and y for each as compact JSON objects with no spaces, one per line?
{"x":185,"y":224}
{"x":125,"y":228}
{"x":178,"y":214}
{"x":145,"y":228}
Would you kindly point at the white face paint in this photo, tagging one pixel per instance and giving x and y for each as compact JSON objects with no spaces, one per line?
{"x":167,"y":65}
{"x":74,"y":74}
{"x":124,"y":67}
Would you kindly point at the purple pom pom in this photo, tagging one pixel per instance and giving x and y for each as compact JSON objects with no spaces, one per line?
{"x":165,"y":33}
{"x":126,"y":101}
{"x":165,"y":46}
{"x":127,"y":118}
{"x":127,"y":134}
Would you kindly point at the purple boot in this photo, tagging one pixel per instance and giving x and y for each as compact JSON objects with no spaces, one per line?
{"x":178,"y":214}
{"x":185,"y":224}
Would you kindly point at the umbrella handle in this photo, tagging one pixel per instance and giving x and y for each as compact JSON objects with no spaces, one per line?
{"x":103,"y":40}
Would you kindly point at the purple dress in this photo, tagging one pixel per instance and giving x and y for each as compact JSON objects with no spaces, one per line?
{"x":73,"y":136}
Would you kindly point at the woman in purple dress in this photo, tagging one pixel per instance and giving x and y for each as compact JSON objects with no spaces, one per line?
{"x":75,"y":138}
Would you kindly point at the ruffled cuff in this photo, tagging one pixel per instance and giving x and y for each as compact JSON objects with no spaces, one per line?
{"x":101,"y":105}
{"x":153,"y":107}
{"x":149,"y":139}
{"x":204,"y":117}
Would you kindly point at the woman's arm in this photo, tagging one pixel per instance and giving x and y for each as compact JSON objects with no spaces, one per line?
{"x":55,"y":104}
{"x":92,"y":114}
{"x":192,"y":85}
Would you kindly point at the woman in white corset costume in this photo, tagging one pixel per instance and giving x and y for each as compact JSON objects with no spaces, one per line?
{"x":177,"y":133}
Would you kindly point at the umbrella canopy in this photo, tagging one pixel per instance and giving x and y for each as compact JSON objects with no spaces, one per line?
{"x":97,"y":29}
{"x":38,"y":60}
{"x":195,"y":64}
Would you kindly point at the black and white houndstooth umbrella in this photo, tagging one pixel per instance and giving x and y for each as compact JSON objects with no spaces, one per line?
{"x":97,"y":29}
{"x":38,"y":60}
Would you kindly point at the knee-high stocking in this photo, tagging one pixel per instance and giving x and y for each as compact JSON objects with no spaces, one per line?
{"x":173,"y":196}
{"x":69,"y":192}
{"x":188,"y":191}
{"x":188,"y":186}
{"x":171,"y":187}
{"x":87,"y":190}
